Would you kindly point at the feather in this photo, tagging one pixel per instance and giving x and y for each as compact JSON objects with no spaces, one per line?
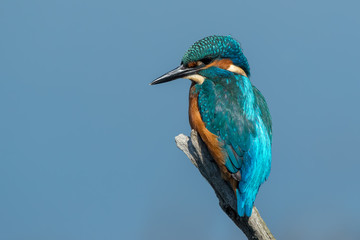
{"x":236,"y":112}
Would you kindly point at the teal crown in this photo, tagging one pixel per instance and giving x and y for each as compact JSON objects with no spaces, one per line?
{"x":214,"y":47}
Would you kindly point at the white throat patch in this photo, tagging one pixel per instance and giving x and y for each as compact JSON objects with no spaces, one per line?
{"x":196,"y":78}
{"x":236,"y":69}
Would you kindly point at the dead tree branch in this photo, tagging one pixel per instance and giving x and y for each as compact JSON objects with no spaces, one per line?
{"x":194,"y":148}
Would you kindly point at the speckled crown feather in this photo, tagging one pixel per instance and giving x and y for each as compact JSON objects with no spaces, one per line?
{"x":217,"y":47}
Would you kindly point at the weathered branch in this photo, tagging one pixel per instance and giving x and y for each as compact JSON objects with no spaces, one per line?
{"x":194,"y":148}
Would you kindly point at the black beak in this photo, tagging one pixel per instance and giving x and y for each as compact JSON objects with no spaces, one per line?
{"x":179,"y":72}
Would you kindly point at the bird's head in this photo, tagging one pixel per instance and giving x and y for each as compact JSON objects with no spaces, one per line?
{"x":208,"y":56}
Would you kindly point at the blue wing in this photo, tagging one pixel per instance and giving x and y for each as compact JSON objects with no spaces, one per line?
{"x":237,"y":113}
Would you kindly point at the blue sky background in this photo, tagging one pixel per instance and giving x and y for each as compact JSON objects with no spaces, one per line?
{"x":87,"y":146}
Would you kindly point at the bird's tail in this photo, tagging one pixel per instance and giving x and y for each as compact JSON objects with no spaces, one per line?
{"x":244,"y":203}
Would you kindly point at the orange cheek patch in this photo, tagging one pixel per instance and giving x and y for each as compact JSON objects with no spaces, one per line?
{"x":228,"y":65}
{"x":223,"y":64}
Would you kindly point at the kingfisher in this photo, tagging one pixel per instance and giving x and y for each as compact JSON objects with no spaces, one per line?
{"x":229,"y":113}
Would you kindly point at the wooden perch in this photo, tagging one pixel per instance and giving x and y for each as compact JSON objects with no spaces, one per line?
{"x":194,"y":148}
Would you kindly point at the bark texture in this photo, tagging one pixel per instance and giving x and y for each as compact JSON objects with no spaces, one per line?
{"x":253,"y":227}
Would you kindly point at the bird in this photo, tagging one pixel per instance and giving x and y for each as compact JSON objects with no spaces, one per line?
{"x":229,"y":113}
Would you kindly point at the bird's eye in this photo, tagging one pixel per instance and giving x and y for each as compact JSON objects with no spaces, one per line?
{"x":201,"y":62}
{"x":206,"y":60}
